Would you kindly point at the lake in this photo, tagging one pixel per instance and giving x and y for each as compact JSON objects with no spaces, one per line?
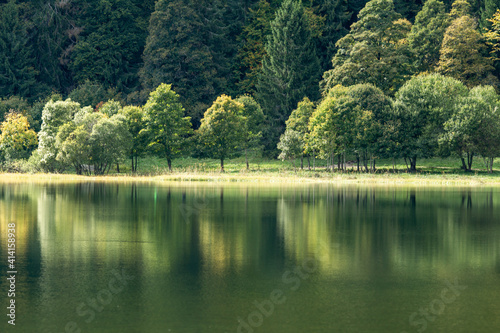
{"x":176,"y":257}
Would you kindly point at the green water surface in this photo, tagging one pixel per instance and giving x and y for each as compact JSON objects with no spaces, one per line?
{"x":106,"y":257}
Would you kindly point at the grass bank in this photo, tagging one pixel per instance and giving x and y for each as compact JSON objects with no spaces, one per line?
{"x":438,"y":172}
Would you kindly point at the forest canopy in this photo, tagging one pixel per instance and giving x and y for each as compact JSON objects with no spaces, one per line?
{"x":298,"y":79}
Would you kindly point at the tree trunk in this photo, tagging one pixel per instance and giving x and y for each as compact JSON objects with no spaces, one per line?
{"x":491,"y":165}
{"x":357,"y":161}
{"x":246,"y":158}
{"x":464,"y":166}
{"x":136,"y":158}
{"x":133,"y":169}
{"x":374,"y":168}
{"x":309,"y":162}
{"x":221,"y":164}
{"x":169,"y":161}
{"x":117,"y":167}
{"x":339,"y":159}
{"x":413,"y":164}
{"x":470,"y":157}
{"x":301,"y":162}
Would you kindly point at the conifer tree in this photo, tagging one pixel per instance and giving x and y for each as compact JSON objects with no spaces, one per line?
{"x":290,"y":69}
{"x":17,"y":67}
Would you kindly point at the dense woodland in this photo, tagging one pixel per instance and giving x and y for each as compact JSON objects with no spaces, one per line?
{"x":91,"y":83}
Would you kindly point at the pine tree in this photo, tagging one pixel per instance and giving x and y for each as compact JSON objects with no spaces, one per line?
{"x":186,"y":47}
{"x":290,"y":69}
{"x":336,"y":17}
{"x":17,"y":66}
{"x":110,"y":46}
{"x":252,"y":45}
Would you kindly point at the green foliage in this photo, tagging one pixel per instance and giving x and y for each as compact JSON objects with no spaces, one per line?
{"x":375,"y":50}
{"x":427,"y":35}
{"x":54,"y":115}
{"x":460,"y":8}
{"x":220,"y":128}
{"x":110,"y":45}
{"x":73,"y":145}
{"x":331,"y":126}
{"x":186,"y":47}
{"x":17,"y":140}
{"x":92,"y":93}
{"x":423,"y":105}
{"x":336,"y":17}
{"x":291,"y":145}
{"x":166,"y":122}
{"x":487,"y":12}
{"x":17,"y":67}
{"x":252,"y":129}
{"x":14,"y":103}
{"x":253,"y":39}
{"x":464,"y":131}
{"x":136,"y":123}
{"x":110,"y":142}
{"x":464,"y":55}
{"x":110,"y":108}
{"x":299,"y":118}
{"x":290,"y":69}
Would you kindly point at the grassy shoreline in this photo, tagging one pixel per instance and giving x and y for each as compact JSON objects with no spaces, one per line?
{"x":282,"y":178}
{"x":435,"y":172}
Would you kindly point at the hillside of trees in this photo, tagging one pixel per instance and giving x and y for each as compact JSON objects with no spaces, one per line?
{"x":89,"y":84}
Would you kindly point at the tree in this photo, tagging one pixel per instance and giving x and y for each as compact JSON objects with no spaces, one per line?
{"x":489,"y":144}
{"x":17,"y":140}
{"x":17,"y":66}
{"x":291,"y":145}
{"x":336,"y":18}
{"x":54,"y":115}
{"x":426,"y":35}
{"x":370,"y":126}
{"x":110,"y":142}
{"x":290,"y":70}
{"x":74,"y":147}
{"x":375,"y":50}
{"x":298,"y":122}
{"x":464,"y":55}
{"x":332,"y":125}
{"x":183,"y":48}
{"x":253,"y":39}
{"x":52,"y":34}
{"x":110,"y":108}
{"x":136,"y":122}
{"x":423,"y":105}
{"x":109,"y":48}
{"x":487,"y":12}
{"x":220,"y":129}
{"x":91,"y":93}
{"x":254,"y":117}
{"x":166,"y":122}
{"x":461,"y":128}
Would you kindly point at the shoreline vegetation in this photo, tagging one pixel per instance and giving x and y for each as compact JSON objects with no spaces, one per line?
{"x":264,"y":171}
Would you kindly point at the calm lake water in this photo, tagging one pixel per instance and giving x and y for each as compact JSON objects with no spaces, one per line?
{"x":95,"y":257}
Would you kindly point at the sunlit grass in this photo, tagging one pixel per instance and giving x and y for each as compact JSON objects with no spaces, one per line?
{"x":439,"y":172}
